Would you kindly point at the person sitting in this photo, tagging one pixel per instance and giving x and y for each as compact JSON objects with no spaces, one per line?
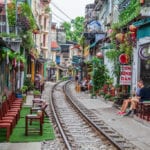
{"x":37,"y":81}
{"x":90,"y":85}
{"x":84,"y":84}
{"x":144,"y":95}
{"x":126,"y":102}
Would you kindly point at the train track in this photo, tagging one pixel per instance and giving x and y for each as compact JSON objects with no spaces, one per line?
{"x":79,"y":127}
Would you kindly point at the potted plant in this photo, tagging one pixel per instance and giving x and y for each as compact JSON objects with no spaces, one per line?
{"x":37,"y":94}
{"x":24,"y":92}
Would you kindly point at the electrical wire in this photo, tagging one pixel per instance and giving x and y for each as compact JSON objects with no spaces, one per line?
{"x":58,"y":17}
{"x":61,"y":11}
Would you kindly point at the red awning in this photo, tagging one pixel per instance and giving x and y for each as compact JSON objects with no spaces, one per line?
{"x":55,"y":46}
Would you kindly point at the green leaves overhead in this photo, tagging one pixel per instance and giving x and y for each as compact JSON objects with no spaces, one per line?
{"x":131,"y":12}
{"x":74,"y":29}
{"x":5,"y":52}
{"x":23,"y":11}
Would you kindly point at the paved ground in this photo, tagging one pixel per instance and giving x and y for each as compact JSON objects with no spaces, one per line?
{"x":134,"y":129}
{"x":137,"y":131}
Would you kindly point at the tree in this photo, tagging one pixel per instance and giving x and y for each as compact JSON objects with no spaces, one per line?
{"x":74,"y":29}
{"x":99,"y":74}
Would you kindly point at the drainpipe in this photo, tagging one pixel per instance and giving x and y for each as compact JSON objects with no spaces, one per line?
{"x":7,"y":25}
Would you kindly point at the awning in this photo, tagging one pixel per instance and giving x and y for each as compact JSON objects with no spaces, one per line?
{"x":144,"y":28}
{"x":93,"y":44}
{"x":41,"y":60}
{"x":109,"y":46}
{"x":142,"y":22}
{"x":98,"y":37}
{"x":55,"y":46}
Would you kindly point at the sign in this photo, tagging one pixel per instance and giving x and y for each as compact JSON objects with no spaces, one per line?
{"x":125,"y":75}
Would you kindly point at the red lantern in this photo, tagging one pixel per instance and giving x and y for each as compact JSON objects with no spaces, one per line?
{"x":35,"y":31}
{"x":133,"y":35}
{"x":124,"y":59}
{"x":141,"y":1}
{"x":99,"y":55}
{"x":14,"y":63}
{"x":21,"y":66}
{"x":132,"y":28}
{"x":120,"y":37}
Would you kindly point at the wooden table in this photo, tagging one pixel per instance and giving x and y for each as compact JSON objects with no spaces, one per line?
{"x":29,"y":118}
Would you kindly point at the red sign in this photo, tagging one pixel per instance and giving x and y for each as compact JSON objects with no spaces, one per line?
{"x":125,"y":75}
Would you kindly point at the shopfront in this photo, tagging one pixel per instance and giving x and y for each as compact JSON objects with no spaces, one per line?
{"x":141,"y":57}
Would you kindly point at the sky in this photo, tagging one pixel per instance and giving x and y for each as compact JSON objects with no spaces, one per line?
{"x":71,"y":8}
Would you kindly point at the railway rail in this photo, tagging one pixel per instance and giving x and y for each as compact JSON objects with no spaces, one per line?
{"x":79,"y":127}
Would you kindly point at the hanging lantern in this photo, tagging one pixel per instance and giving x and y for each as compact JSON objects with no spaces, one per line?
{"x":124,"y":59}
{"x":141,"y":1}
{"x":35,"y":31}
{"x":14,"y":63}
{"x":99,"y":55}
{"x":21,"y":66}
{"x":132,"y":28}
{"x":133,"y":35}
{"x":109,"y":32}
{"x":120,"y":37}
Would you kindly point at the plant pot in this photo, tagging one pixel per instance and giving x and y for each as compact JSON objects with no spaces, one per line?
{"x":18,"y":95}
{"x":24,"y":97}
{"x":37,"y":96}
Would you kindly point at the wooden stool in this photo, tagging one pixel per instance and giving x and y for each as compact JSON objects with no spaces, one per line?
{"x":29,"y":118}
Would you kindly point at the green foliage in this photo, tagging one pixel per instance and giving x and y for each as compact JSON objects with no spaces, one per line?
{"x":101,"y":93}
{"x":25,"y":11}
{"x":29,"y":84}
{"x":107,"y":96}
{"x":36,"y":92}
{"x":47,"y":9}
{"x":27,"y":42}
{"x":74,"y":29}
{"x":99,"y":74}
{"x":12,"y":14}
{"x":64,"y":78}
{"x":24,"y":89}
{"x":113,"y":54}
{"x":131,"y":12}
{"x":10,"y":35}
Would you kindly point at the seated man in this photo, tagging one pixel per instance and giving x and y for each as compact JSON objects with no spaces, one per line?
{"x":90,"y":85}
{"x":84,"y":84}
{"x":144,"y":95}
{"x":126,"y":102}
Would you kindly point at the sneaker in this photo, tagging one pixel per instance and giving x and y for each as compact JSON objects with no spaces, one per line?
{"x":120,"y":113}
{"x":128,"y":113}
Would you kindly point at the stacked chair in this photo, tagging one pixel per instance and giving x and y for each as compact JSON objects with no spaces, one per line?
{"x":10,"y":113}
